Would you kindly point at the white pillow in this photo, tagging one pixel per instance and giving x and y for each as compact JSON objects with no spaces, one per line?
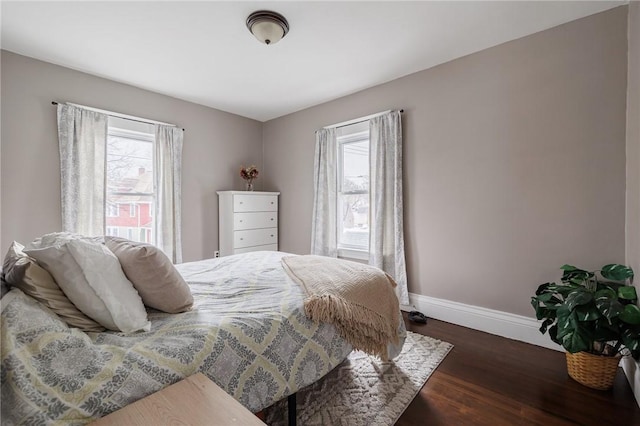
{"x":59,"y":238}
{"x":91,"y":277}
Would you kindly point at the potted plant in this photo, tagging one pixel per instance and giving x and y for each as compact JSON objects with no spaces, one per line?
{"x":596,"y":320}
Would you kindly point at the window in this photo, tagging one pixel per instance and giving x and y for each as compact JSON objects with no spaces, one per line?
{"x":346,"y":178}
{"x":130,"y":182}
{"x":113,"y":210}
{"x":353,"y":195}
{"x":142,"y":165}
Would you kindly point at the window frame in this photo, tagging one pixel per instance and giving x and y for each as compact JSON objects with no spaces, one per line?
{"x":350,"y":251}
{"x":115,"y":131}
{"x":113,"y":210}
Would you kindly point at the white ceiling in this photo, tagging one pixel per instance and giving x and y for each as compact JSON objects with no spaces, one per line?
{"x":202,"y":51}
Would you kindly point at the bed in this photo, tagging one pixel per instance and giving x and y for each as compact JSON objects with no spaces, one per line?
{"x":247,"y":332}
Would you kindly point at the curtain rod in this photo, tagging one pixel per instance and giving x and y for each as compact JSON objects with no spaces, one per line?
{"x":116,"y":114}
{"x":358,"y":120}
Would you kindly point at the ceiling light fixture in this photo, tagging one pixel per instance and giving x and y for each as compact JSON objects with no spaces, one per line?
{"x":268,"y":27}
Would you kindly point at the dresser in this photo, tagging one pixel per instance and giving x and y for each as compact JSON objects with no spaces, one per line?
{"x":248,"y":221}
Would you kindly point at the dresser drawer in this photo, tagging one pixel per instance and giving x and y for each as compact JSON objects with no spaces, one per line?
{"x":254,"y":220}
{"x":255,"y":237}
{"x":255,"y":203}
{"x":268,"y":247}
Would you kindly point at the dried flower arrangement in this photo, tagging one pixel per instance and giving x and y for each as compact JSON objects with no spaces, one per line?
{"x":249,"y":174}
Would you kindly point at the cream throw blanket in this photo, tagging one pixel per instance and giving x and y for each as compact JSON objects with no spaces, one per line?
{"x":359,"y":300}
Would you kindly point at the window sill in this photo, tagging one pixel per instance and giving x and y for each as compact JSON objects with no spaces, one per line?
{"x":351,"y":254}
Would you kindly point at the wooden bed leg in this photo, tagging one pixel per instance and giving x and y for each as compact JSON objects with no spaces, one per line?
{"x":291,"y":408}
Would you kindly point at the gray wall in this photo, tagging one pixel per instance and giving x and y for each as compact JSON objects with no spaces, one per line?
{"x":514,"y":163}
{"x":514,"y":159}
{"x":632,"y":368}
{"x":633,"y":142}
{"x":215,"y":145}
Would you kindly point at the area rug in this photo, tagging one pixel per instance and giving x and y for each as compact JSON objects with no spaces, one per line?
{"x":364,"y":391}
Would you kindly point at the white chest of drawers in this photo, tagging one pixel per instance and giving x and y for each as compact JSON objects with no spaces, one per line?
{"x":248,"y":221}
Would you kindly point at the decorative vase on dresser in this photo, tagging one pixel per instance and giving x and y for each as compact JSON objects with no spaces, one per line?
{"x":247,"y":221}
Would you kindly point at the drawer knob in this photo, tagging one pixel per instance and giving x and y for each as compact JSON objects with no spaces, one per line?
{"x":272,"y":219}
{"x":241,"y":239}
{"x":240,"y":220}
{"x":241,"y":202}
{"x":272,"y":235}
{"x":272,"y":202}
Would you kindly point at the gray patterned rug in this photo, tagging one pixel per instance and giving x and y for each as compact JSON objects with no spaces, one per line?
{"x":365,"y":391}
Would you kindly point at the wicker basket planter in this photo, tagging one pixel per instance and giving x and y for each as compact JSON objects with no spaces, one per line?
{"x":596,"y":372}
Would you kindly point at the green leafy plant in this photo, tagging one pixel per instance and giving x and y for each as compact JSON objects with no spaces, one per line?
{"x":587,"y":314}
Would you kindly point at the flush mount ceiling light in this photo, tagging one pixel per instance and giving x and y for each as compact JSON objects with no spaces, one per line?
{"x":268,"y":27}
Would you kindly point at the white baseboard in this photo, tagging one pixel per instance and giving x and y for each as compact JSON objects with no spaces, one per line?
{"x":517,"y":327}
{"x":632,"y":371}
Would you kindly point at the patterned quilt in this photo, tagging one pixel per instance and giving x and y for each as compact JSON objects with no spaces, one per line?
{"x":247,"y":332}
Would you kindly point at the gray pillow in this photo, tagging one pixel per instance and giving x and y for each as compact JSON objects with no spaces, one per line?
{"x":151,"y":272}
{"x":4,"y":288}
{"x":23,"y":272}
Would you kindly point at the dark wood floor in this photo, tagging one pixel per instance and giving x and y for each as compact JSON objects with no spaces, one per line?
{"x":490,"y":380}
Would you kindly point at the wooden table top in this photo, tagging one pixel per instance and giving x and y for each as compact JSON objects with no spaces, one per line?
{"x":193,"y":401}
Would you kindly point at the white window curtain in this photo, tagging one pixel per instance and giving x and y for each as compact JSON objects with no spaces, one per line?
{"x":168,"y":171}
{"x":386,"y":239}
{"x":82,"y":137}
{"x":386,"y":236}
{"x":324,"y":234}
